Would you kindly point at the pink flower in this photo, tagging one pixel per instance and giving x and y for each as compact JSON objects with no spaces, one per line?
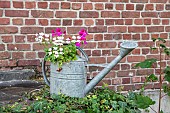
{"x":57,"y":32}
{"x":78,"y":44}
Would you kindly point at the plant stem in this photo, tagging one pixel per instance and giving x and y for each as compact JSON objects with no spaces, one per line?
{"x":160,"y":82}
{"x":153,"y":109}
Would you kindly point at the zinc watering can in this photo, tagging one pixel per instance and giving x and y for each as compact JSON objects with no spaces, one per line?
{"x":71,"y":80}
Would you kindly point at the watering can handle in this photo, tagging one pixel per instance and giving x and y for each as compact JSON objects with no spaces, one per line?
{"x":44,"y":62}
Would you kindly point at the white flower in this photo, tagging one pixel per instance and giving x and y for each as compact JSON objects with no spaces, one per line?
{"x":73,"y":41}
{"x":56,"y":52}
{"x":61,"y":49}
{"x":56,"y":55}
{"x":50,"y":53}
{"x":61,"y":53}
{"x":47,"y":35}
{"x":74,"y":37}
{"x":55,"y":48}
{"x":54,"y":38}
{"x":60,"y":38}
{"x":41,"y":33}
{"x":46,"y":39}
{"x":36,"y":34}
{"x":49,"y":49}
{"x":78,"y":37}
{"x":78,"y":41}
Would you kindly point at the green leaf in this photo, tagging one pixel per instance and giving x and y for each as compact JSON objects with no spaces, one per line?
{"x":153,"y":39}
{"x":167,"y":73}
{"x":161,"y":39}
{"x":167,"y":51}
{"x":152,"y":78}
{"x":146,"y":64}
{"x":143,"y":102}
{"x":162,"y":45}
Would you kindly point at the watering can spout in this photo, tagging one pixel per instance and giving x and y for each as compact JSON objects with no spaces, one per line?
{"x":126,"y":48}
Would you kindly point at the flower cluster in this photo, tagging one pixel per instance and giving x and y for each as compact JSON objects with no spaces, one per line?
{"x":63,"y":47}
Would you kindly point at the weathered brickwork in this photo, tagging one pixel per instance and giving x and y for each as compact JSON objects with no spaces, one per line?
{"x":108,"y":23}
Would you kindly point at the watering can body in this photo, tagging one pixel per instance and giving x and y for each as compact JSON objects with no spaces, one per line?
{"x":71,"y":80}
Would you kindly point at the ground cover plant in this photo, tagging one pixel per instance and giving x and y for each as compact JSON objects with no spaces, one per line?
{"x":100,"y":100}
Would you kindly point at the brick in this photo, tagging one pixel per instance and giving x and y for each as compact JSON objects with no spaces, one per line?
{"x":41,"y":54}
{"x":8,"y":30}
{"x":156,"y":21}
{"x":164,"y":35}
{"x":30,"y":38}
{"x":139,"y":1}
{"x":142,"y":72}
{"x":145,"y":36}
{"x":96,"y":53}
{"x":116,"y":81}
{"x":127,"y":73}
{"x":106,"y":52}
{"x":20,"y":47}
{"x":117,"y":29}
{"x":110,"y":14}
{"x":146,"y":44}
{"x":42,"y":5}
{"x":30,"y":5}
{"x":149,"y":7}
{"x":136,"y":37}
{"x":1,"y":13}
{"x":159,"y":7}
{"x":74,"y":30}
{"x":149,"y":14}
{"x":66,"y":14}
{"x":91,"y":45}
{"x":17,"y":4}
{"x":165,"y":15}
{"x":42,"y":14}
{"x":155,"y":29}
{"x":127,"y":36}
{"x":67,"y":22}
{"x":119,"y":6}
{"x":3,"y":63}
{"x":97,"y":60}
{"x":107,"y":44}
{"x":125,"y":66}
{"x":12,"y":63}
{"x":108,"y":36}
{"x":167,"y":7}
{"x":2,"y":47}
{"x":43,"y":22}
{"x":54,"y":5}
{"x":20,"y":39}
{"x":139,"y":7}
{"x":99,"y":6}
{"x":167,"y":28}
{"x":138,"y":21}
{"x":126,"y":80}
{"x":7,"y":39}
{"x":106,"y":81}
{"x":78,"y":22}
{"x":135,"y":58}
{"x":136,"y":29}
{"x":129,"y":6}
{"x":4,"y":4}
{"x":30,"y":55}
{"x":119,"y":22}
{"x":98,"y":37}
{"x":31,"y":30}
{"x":87,"y":6}
{"x":111,"y":74}
{"x":165,"y":21}
{"x":55,"y":22}
{"x":128,"y":21}
{"x":17,"y":21}
{"x":110,"y":21}
{"x":5,"y":55}
{"x":49,"y":29}
{"x":108,"y":6}
{"x":89,"y":22}
{"x":35,"y":62}
{"x":89,"y":14}
{"x":30,"y":22}
{"x":97,"y":29}
{"x":65,"y":5}
{"x":17,"y":55}
{"x":76,"y":6}
{"x":78,"y":0}
{"x":16,"y":13}
{"x":147,"y":22}
{"x":37,"y":46}
{"x":136,"y":79}
{"x":4,"y":21}
{"x":130,"y":14}
{"x":100,"y":21}
{"x":158,"y":1}
{"x":123,"y":1}
{"x":99,"y":0}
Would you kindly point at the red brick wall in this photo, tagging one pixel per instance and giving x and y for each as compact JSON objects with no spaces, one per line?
{"x":108,"y":23}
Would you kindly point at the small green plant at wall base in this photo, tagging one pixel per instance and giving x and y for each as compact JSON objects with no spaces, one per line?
{"x":164,"y":73}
